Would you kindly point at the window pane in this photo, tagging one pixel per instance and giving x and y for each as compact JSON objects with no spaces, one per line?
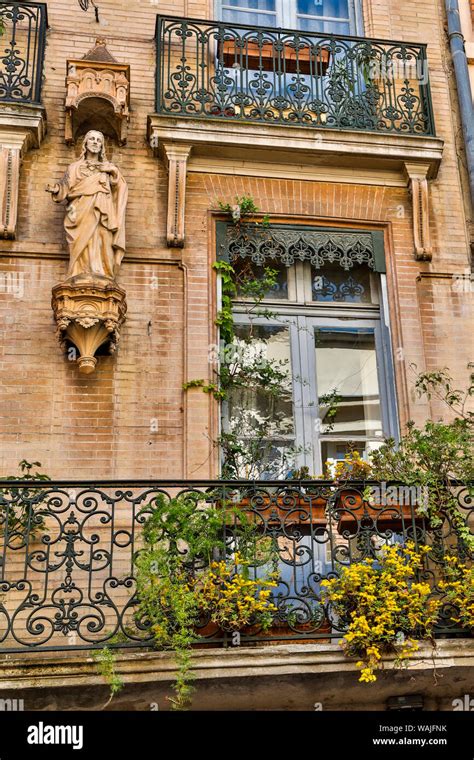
{"x":331,"y":8}
{"x":254,"y":5}
{"x":346,"y":363}
{"x":254,"y":407}
{"x":324,"y":14}
{"x":246,"y":12}
{"x":333,"y":283}
{"x":261,"y":414}
{"x":247,"y":272}
{"x":322,"y":26}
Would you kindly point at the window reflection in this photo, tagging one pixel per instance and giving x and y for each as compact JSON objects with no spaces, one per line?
{"x":257,"y":415}
{"x":346,"y":364}
{"x":330,"y":16}
{"x":247,"y":12}
{"x":332,"y":283}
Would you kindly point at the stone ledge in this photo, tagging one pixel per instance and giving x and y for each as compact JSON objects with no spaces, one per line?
{"x":278,"y":677}
{"x":20,"y":120}
{"x":29,"y":670}
{"x":296,"y":144}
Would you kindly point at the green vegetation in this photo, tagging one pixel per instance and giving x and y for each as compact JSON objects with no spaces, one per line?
{"x":187,"y":573}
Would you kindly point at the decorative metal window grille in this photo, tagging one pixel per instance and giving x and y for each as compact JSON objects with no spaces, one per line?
{"x":319,"y":246}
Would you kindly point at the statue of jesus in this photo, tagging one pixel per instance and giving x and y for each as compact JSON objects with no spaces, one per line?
{"x":96,"y":194}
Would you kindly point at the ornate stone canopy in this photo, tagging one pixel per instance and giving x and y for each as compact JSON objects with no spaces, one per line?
{"x":97,"y":94}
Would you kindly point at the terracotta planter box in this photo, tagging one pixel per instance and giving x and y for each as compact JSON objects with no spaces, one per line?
{"x":392,"y":517}
{"x":301,"y":510}
{"x":264,"y":57}
{"x":212,"y":631}
{"x":285,"y":630}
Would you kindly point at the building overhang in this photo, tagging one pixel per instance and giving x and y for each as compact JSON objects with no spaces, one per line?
{"x":297,"y":145}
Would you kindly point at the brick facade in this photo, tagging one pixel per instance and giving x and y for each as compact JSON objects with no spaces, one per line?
{"x":131,"y":419}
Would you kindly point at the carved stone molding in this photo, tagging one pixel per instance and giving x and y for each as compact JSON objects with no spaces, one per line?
{"x":97,"y":94}
{"x":175,"y":157}
{"x":417,"y":177}
{"x":88,"y":314}
{"x":176,"y":160}
{"x":21,"y":127}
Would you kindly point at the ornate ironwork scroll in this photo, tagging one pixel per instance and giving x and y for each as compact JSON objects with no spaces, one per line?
{"x":23,"y":44}
{"x":67,"y":550}
{"x":276,"y":76}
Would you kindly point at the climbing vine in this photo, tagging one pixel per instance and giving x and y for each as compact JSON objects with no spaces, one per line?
{"x":240,"y":369}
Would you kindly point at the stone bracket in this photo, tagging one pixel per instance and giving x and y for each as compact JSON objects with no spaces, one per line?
{"x":21,"y":127}
{"x":175,"y":157}
{"x":417,"y":178}
{"x":88,"y":314}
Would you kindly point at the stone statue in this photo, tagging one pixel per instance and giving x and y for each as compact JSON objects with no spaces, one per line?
{"x":89,"y":306}
{"x":96,"y":194}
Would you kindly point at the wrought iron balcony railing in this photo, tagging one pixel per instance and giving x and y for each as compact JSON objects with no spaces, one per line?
{"x":22,"y":47}
{"x":218,"y":70}
{"x":68,"y":554}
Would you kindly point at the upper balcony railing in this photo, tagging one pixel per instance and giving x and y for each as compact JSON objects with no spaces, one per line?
{"x":68,"y":553}
{"x":22,"y":46}
{"x":219,"y":70}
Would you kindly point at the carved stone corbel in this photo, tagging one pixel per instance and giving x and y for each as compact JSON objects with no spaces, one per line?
{"x":175,"y":157}
{"x":176,"y":161}
{"x":417,"y":177}
{"x":88,"y":314}
{"x":21,"y":127}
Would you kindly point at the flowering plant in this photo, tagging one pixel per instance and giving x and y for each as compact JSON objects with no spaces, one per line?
{"x":458,"y":585}
{"x":352,"y":467}
{"x":179,"y":581}
{"x":383,"y":605}
{"x":232,"y":599}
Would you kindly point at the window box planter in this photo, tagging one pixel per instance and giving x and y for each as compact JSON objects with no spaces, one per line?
{"x":268,"y":57}
{"x":304,"y":509}
{"x":352,"y":510}
{"x":270,"y":637}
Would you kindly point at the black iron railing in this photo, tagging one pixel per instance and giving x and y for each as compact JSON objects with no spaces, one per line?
{"x":22,"y":46}
{"x":68,"y":553}
{"x":276,"y":76}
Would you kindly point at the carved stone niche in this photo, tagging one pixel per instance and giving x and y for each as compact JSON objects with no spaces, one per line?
{"x":97,"y":95}
{"x":89,"y":315}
